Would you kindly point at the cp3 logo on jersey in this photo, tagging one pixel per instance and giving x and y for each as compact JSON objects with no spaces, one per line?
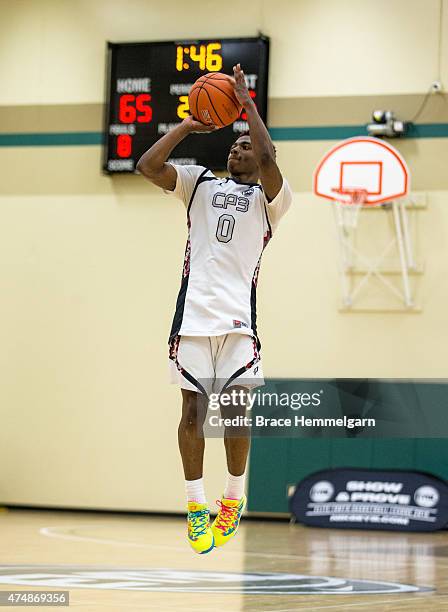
{"x":223,"y":200}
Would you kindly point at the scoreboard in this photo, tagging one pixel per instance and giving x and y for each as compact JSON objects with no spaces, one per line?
{"x":147,"y":95}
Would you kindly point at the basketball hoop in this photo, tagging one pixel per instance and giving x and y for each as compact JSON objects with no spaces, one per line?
{"x":357,"y":173}
{"x":347,"y":209}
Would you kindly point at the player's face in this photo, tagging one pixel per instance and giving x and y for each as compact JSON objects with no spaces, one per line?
{"x":241,"y":158}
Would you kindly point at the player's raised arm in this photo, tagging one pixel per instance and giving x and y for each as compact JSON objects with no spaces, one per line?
{"x":152,"y":164}
{"x":262,"y":146}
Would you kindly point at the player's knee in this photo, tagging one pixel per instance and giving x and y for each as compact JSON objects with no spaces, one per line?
{"x":192,"y":408}
{"x":236,"y":408}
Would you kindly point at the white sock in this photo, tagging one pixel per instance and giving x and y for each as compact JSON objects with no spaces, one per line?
{"x":235,"y":486}
{"x":195,"y":491}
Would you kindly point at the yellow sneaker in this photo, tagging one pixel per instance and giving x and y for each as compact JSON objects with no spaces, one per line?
{"x":200,"y":535}
{"x":228,"y":519}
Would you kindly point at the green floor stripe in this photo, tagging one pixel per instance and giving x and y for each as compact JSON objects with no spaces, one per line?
{"x":334,"y":132}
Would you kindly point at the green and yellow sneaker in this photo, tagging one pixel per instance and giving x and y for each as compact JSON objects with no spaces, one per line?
{"x":200,"y":535}
{"x":228,"y":519}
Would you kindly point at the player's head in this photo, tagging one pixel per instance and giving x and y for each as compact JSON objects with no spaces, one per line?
{"x":241,"y":160}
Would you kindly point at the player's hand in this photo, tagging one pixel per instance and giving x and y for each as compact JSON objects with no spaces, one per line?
{"x":241,"y":91}
{"x":195,"y":126}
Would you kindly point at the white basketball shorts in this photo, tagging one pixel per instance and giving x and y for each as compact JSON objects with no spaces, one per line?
{"x":211,"y":364}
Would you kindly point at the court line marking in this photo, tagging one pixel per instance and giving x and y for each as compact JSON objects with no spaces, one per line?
{"x":49,"y":532}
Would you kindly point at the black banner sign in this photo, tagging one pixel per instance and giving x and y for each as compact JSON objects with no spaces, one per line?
{"x":369,"y":499}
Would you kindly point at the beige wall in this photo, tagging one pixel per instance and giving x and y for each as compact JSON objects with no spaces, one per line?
{"x":90,"y":265}
{"x":88,"y":278}
{"x":353,"y":47}
{"x":52,"y":51}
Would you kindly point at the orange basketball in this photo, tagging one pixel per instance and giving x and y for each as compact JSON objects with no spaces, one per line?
{"x":212,"y":100}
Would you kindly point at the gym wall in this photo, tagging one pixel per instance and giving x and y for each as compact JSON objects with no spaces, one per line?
{"x":90,"y":264}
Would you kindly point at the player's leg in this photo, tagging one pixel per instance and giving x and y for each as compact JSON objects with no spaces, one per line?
{"x":190,"y":437}
{"x":191,"y":446}
{"x":236,"y":442}
{"x":238,"y":366}
{"x":237,"y":436}
{"x":190,"y":362}
{"x":239,"y":362}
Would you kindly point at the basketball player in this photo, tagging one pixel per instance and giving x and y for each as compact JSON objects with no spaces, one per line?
{"x":213,"y":341}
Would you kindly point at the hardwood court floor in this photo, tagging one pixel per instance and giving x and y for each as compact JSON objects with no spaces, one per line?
{"x":34,"y":541}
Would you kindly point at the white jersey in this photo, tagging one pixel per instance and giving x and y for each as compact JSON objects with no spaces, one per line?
{"x":229,"y":224}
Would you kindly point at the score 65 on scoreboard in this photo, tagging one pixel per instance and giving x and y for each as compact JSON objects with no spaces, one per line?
{"x":147,"y":95}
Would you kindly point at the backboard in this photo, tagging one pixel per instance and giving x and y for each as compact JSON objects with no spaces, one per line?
{"x":361,"y":164}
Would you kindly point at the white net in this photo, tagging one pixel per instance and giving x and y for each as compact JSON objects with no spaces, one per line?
{"x":347,"y":211}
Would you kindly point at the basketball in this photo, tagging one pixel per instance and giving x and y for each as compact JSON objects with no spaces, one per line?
{"x":212,"y":100}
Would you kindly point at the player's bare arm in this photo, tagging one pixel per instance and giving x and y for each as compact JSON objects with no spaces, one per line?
{"x":153,"y":164}
{"x":263,"y":148}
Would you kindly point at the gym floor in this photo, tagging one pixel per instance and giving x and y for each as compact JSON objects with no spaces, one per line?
{"x":116,"y":562}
